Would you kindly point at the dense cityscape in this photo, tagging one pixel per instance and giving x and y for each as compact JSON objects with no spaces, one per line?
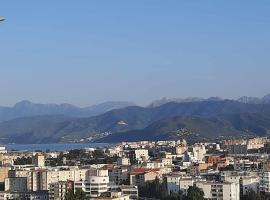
{"x":232,"y":169}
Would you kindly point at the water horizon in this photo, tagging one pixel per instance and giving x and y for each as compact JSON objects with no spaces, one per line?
{"x":53,"y":146}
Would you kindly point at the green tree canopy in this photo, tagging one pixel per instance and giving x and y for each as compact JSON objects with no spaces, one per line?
{"x":195,"y":193}
{"x":78,"y":195}
{"x":251,"y":195}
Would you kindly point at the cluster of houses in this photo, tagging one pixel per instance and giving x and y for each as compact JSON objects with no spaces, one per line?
{"x":227,"y":170}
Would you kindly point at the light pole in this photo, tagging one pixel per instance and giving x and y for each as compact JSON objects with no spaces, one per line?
{"x":2,"y":19}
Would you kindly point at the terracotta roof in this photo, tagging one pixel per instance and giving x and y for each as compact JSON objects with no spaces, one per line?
{"x":143,"y":171}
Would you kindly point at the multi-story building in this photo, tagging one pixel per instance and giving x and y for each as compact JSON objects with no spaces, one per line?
{"x":141,"y":175}
{"x":123,"y":161}
{"x":265,"y":182}
{"x":45,"y":177}
{"x":180,"y":149}
{"x":246,"y":181}
{"x":28,"y":195}
{"x":141,"y":154}
{"x":16,"y":184}
{"x":130,"y":190}
{"x":198,"y":152}
{"x":219,"y":190}
{"x":249,"y":183}
{"x":241,"y":146}
{"x":118,"y":174}
{"x":154,"y":164}
{"x":3,"y":150}
{"x":3,"y":173}
{"x":179,"y":183}
{"x":95,"y":184}
{"x":38,"y":160}
{"x":58,"y":191}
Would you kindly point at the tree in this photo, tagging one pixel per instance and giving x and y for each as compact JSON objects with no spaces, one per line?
{"x":78,"y":195}
{"x":23,"y":161}
{"x":195,"y":193}
{"x":158,"y":190}
{"x":227,"y":168}
{"x":70,"y":195}
{"x":252,"y":195}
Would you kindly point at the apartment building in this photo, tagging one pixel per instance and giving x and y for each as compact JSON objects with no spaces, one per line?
{"x":140,"y":175}
{"x":141,"y":154}
{"x":123,"y":161}
{"x":220,"y":190}
{"x":198,"y":153}
{"x":176,"y":184}
{"x":28,"y":195}
{"x":58,"y":190}
{"x":179,"y":183}
{"x":265,"y":182}
{"x":118,"y":174}
{"x":39,"y":179}
{"x":16,"y":184}
{"x":95,"y":184}
{"x":38,"y":160}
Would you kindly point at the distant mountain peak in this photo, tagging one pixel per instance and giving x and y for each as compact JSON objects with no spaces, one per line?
{"x":165,"y":100}
{"x":243,"y":99}
{"x":266,"y":99}
{"x":26,"y":108}
{"x":246,"y":99}
{"x":23,"y":104}
{"x":255,"y":100}
{"x":110,"y":105}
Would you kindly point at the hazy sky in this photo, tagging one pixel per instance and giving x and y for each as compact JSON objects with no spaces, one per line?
{"x":84,"y":52}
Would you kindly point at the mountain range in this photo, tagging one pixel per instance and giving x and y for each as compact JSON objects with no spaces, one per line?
{"x":194,"y":120}
{"x":26,"y":108}
{"x":243,"y":99}
{"x":195,"y":129}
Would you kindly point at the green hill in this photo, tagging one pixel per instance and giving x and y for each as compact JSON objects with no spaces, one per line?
{"x":213,"y":118}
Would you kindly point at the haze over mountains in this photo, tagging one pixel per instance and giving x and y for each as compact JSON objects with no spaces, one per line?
{"x":192,"y":118}
{"x":26,"y":108}
{"x":244,"y":99}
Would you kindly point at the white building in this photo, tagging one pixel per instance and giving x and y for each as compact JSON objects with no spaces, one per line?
{"x":45,"y":177}
{"x":141,"y":154}
{"x":154,"y":164}
{"x":198,"y":152}
{"x":130,"y":190}
{"x":123,"y":161}
{"x":220,"y":190}
{"x":114,"y":196}
{"x":167,"y":161}
{"x":265,"y":182}
{"x":38,"y":160}
{"x":58,"y":191}
{"x":179,"y":183}
{"x":3,"y":149}
{"x":118,"y":174}
{"x":40,"y":195}
{"x":95,"y":184}
{"x":246,"y":181}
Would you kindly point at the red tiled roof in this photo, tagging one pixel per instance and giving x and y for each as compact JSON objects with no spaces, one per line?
{"x":143,"y":171}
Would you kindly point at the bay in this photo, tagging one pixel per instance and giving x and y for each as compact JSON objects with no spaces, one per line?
{"x":53,"y":147}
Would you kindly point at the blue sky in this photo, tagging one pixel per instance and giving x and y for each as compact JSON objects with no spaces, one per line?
{"x":85,"y":52}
